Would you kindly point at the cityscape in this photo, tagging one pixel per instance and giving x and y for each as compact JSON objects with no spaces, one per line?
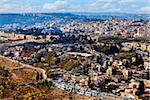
{"x":74,"y":55}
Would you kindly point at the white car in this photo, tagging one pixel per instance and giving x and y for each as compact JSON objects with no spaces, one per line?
{"x":88,"y":93}
{"x":82,"y":91}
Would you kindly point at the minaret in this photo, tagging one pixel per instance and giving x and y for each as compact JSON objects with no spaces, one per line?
{"x":125,"y":73}
{"x":109,"y":71}
{"x":105,"y":64}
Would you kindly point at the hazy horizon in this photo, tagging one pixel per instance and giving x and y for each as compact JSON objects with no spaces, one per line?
{"x":73,"y":13}
{"x":65,"y":6}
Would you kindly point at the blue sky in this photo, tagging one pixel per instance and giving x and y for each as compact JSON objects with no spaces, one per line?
{"x":127,"y":6}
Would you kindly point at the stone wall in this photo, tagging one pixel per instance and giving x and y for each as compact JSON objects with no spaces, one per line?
{"x":18,"y":36}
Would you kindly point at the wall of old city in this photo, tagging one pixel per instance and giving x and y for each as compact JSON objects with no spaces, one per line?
{"x":16,"y":35}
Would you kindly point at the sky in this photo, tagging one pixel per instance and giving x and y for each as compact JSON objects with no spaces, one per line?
{"x":26,"y":6}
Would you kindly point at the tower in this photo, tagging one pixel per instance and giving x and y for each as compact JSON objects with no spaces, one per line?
{"x":109,"y":71}
{"x":125,"y":73}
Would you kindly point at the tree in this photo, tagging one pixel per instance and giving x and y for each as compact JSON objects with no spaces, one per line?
{"x":37,"y":58}
{"x":1,"y":91}
{"x":48,"y":83}
{"x":37,"y":76}
{"x":4,"y":71}
{"x":50,"y":58}
{"x":41,"y":76}
{"x":86,"y":69}
{"x":112,"y":87}
{"x":89,"y":82}
{"x":69,"y":65}
{"x":139,"y":59}
{"x":141,"y":88}
{"x":66,"y":58}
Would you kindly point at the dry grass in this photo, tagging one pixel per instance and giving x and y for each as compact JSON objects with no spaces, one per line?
{"x":30,"y":92}
{"x":57,"y":94}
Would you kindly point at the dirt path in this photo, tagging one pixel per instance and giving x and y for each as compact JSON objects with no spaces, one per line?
{"x":40,"y":70}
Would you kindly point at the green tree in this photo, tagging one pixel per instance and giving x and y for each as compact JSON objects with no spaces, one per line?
{"x":37,"y":76}
{"x":1,"y":91}
{"x":4,"y":71}
{"x":69,"y":65}
{"x":48,"y":83}
{"x":51,"y":58}
{"x":141,"y":88}
{"x":86,"y":69}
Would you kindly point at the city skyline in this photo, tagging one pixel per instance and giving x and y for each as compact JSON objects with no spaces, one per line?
{"x":74,"y":49}
{"x":115,"y":6}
